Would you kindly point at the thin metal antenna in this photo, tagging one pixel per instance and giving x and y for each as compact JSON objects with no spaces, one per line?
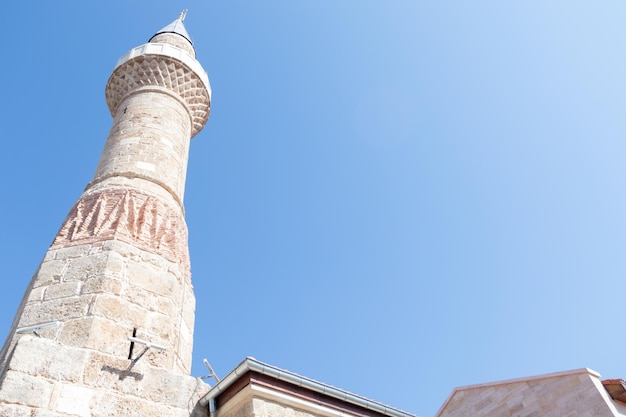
{"x":182,"y":15}
{"x":211,"y":372}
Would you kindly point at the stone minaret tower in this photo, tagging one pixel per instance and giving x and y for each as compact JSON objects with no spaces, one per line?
{"x":106,"y":325}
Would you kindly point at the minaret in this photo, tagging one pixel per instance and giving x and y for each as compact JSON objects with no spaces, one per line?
{"x":106,"y":325}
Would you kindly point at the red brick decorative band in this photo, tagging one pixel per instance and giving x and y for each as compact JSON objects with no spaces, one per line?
{"x":128,"y":216}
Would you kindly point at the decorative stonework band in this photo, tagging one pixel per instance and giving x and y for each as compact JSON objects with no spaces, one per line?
{"x":131,"y":217}
{"x":165,"y":66}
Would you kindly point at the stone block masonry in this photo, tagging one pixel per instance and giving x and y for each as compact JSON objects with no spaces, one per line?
{"x":111,"y":292}
{"x":577,"y":393}
{"x":116,"y":281}
{"x":46,"y":378}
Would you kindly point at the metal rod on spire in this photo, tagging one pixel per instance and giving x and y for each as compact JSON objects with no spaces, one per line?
{"x":182,"y":15}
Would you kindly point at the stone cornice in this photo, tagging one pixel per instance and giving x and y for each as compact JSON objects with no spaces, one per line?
{"x":163,"y":65}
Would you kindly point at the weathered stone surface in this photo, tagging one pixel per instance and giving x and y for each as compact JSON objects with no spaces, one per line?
{"x":154,"y":280}
{"x":119,"y":310}
{"x":111,"y":372}
{"x":160,"y":325}
{"x":50,"y":272}
{"x":167,"y":306}
{"x":75,"y":400}
{"x":142,"y":298}
{"x":20,"y":388}
{"x":63,"y":290}
{"x":70,"y":252}
{"x":37,"y":294}
{"x":98,"y":333}
{"x":184,"y":356}
{"x":55,"y":310}
{"x":174,"y":390}
{"x":102,"y":284}
{"x":113,"y":405}
{"x":45,"y":358}
{"x":47,"y":413}
{"x":10,"y":410}
{"x":189,"y":306}
{"x":94,"y":265}
{"x":574,"y":393}
{"x":125,"y":251}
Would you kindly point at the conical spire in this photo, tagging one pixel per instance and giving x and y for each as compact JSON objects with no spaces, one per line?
{"x":176,"y":27}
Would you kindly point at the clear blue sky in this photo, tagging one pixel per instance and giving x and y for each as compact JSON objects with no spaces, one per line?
{"x":392,"y":197}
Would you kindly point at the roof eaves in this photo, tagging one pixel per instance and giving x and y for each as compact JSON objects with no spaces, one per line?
{"x":251,"y":364}
{"x":616,"y":389}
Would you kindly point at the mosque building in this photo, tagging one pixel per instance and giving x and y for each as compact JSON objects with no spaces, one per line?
{"x":105,"y":328}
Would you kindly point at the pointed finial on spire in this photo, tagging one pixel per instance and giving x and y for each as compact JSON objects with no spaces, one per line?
{"x":177,"y":27}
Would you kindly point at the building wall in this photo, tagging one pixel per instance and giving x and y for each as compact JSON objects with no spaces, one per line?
{"x":44,"y":378}
{"x":104,"y":292}
{"x":573,"y":394}
{"x":251,"y":403}
{"x":256,"y":394}
{"x":149,"y":140}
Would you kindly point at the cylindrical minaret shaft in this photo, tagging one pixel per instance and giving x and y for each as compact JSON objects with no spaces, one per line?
{"x":119,"y":266}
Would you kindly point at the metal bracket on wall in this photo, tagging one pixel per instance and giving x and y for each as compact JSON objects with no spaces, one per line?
{"x":36,"y":327}
{"x":147,"y":345}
